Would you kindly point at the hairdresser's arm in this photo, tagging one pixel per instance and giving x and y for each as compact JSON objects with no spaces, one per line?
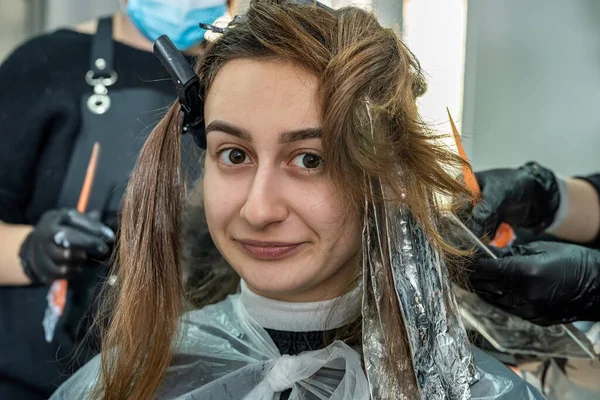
{"x":11,"y":238}
{"x":22,"y":118}
{"x":61,"y":241}
{"x":533,"y":197}
{"x":59,"y":246}
{"x":578,"y":217}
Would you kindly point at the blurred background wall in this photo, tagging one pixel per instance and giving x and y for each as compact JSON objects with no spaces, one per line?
{"x":67,"y":12}
{"x":520,"y":77}
{"x":532,"y":83}
{"x":20,"y":19}
{"x":13,"y":25}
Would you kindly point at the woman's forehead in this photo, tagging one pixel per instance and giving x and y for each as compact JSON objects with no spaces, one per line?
{"x":264,"y":95}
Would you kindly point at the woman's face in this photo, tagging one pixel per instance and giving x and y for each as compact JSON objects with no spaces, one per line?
{"x":271,"y":210}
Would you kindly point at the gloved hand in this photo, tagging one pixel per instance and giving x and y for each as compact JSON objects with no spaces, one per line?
{"x":62,"y":243}
{"x":546,"y":283}
{"x":526,"y":197}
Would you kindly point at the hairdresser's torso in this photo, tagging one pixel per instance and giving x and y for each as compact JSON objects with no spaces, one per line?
{"x":40,"y":120}
{"x":44,"y":118}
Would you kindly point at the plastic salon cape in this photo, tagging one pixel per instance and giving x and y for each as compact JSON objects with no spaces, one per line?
{"x":224,"y":354}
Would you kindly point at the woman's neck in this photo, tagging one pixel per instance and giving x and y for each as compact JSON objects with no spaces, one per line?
{"x":301,"y":317}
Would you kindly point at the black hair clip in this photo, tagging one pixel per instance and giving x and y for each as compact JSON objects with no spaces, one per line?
{"x":187,"y":84}
{"x":222,"y":30}
{"x":213,"y":28}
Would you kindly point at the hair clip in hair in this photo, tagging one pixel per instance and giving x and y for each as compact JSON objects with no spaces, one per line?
{"x":221,"y":26}
{"x":213,"y":28}
{"x":187,"y":84}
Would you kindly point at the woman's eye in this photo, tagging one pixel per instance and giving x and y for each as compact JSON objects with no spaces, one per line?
{"x":233,"y":156}
{"x":308,"y":161}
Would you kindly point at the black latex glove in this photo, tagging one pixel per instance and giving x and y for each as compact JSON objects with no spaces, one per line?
{"x":526,"y":197}
{"x":62,"y":243}
{"x":544,"y":282}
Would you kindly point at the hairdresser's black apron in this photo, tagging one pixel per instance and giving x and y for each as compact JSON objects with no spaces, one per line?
{"x":120,"y":121}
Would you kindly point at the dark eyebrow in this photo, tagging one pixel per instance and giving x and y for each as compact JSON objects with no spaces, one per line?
{"x":284,"y":137}
{"x":300,"y":134}
{"x":233,"y":130}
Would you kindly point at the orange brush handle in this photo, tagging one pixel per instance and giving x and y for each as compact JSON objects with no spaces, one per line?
{"x":86,"y":190}
{"x":468,"y":175}
{"x":505,"y":233}
{"x":60,"y":286}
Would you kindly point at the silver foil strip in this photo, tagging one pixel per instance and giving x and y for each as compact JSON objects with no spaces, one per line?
{"x":373,"y":326}
{"x":451,"y":349}
{"x":441,"y":357}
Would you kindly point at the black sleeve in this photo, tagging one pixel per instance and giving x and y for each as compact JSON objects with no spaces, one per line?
{"x":25,"y":105}
{"x":594,"y":180}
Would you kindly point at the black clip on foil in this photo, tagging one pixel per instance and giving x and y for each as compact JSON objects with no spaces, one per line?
{"x":187,"y":85}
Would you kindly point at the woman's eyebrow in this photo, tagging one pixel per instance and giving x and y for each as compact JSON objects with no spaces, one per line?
{"x":284,"y":137}
{"x":229,"y":129}
{"x":300,"y":134}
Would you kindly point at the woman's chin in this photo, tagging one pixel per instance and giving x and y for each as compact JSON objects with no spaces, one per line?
{"x":275,"y":286}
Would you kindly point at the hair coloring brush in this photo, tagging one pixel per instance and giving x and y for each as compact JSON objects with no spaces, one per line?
{"x":505,"y":234}
{"x":57,"y":296}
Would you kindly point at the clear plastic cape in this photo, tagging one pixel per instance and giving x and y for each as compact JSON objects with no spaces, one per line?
{"x":223,"y":354}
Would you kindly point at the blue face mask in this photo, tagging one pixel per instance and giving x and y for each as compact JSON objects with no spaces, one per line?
{"x":178,"y":19}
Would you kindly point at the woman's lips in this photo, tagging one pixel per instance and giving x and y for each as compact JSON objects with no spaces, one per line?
{"x":268,"y":250}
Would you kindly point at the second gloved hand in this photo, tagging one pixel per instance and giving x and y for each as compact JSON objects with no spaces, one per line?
{"x":546,"y":283}
{"x":62,"y":243}
{"x":525,"y":197}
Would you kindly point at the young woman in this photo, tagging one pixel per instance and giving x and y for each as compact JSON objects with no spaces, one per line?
{"x":318,"y":189}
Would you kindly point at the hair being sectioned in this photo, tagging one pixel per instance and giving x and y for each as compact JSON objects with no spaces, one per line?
{"x":362,"y":68}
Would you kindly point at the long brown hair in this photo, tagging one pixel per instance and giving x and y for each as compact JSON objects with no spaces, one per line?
{"x":360,"y":66}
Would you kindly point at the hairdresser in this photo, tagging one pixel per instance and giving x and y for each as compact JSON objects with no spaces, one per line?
{"x":62,"y":92}
{"x":546,"y":282}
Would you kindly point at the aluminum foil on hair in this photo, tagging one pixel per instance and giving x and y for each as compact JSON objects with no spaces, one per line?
{"x":440,"y":351}
{"x":394,"y":244}
{"x":456,"y":326}
{"x":381,"y":384}
{"x":452,"y":352}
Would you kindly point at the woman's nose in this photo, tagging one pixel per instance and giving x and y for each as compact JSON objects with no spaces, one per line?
{"x":265,"y":204}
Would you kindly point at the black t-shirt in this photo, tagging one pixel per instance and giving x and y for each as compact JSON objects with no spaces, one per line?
{"x":41,"y":86}
{"x":594,"y":180}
